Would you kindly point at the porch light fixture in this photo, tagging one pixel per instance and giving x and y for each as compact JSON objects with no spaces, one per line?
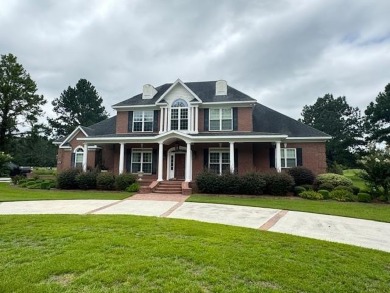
{"x":176,"y":147}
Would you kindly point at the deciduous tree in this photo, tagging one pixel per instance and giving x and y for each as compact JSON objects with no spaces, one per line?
{"x":344,"y":123}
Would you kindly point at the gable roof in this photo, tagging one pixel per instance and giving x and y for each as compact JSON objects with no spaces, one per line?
{"x":205,"y":90}
{"x":268,"y":120}
{"x":105,"y":127}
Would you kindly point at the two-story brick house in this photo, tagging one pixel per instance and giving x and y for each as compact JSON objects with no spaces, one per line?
{"x":177,"y":130}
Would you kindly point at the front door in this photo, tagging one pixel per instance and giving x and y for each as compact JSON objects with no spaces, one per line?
{"x":179,"y":166}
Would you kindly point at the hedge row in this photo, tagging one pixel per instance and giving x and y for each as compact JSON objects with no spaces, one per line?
{"x":75,"y":179}
{"x":251,"y":183}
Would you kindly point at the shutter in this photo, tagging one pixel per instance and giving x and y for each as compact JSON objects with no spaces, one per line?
{"x":299,"y":157}
{"x":128,"y":160}
{"x":206,"y":119}
{"x":72,"y":163}
{"x":236,"y":161}
{"x":206,"y":158}
{"x":235,"y":119}
{"x":155,"y":121}
{"x":272,"y":157}
{"x":130,"y":121}
{"x":154,"y":161}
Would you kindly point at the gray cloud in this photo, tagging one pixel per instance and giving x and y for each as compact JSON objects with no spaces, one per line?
{"x":284,"y":53}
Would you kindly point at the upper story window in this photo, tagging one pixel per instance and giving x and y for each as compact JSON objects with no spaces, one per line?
{"x":142,"y":121}
{"x":288,"y":157}
{"x":78,"y":157}
{"x":221,"y":119}
{"x":179,"y":115}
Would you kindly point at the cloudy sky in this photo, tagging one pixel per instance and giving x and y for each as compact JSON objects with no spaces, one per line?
{"x":283,"y":53}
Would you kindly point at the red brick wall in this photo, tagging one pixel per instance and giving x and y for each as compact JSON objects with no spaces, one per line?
{"x":313,"y":155}
{"x":122,"y":119}
{"x":244,"y":116}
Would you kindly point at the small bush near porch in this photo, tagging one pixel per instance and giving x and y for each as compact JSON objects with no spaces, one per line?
{"x":253,"y":183}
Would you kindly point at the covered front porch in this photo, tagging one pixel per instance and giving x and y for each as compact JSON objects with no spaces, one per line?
{"x":178,"y":156}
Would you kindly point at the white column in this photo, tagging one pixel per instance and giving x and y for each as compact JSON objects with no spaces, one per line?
{"x":190,"y":117}
{"x":121,"y":157}
{"x":188,"y":163}
{"x":161,"y":119}
{"x":160,"y":162}
{"x":196,"y":119}
{"x":232,"y":157}
{"x":169,"y":119}
{"x":165,"y":119}
{"x":85,"y":157}
{"x":278,"y":163}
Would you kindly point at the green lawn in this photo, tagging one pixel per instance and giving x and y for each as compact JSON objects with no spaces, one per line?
{"x":149,"y":254}
{"x":353,"y":174}
{"x":369,"y":211}
{"x":12,"y":193}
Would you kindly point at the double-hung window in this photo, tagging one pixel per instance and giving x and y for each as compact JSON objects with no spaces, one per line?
{"x":221,"y":119}
{"x":142,"y":121}
{"x":219,"y":161}
{"x":179,"y":115}
{"x":288,"y":157}
{"x":141,"y":161}
{"x":78,"y":157}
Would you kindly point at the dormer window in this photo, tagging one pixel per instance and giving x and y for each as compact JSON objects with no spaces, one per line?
{"x":179,"y":115}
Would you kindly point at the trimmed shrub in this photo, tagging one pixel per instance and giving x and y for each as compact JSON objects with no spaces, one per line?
{"x":308,"y":186}
{"x":299,"y":189}
{"x":208,"y":182}
{"x":310,"y":194}
{"x":252,"y":183}
{"x":335,"y":168}
{"x":326,"y":186}
{"x":334,"y":179}
{"x":133,"y":187}
{"x":278,"y":183}
{"x":324,"y":193}
{"x":364,"y":197}
{"x":229,"y":183}
{"x":86,"y":180}
{"x":355,"y":190}
{"x":123,"y":181}
{"x":67,"y":179}
{"x":347,"y":188}
{"x":15,"y":179}
{"x":45,"y":185}
{"x":301,"y":175}
{"x":342,"y":195}
{"x":34,"y":186}
{"x":105,"y":181}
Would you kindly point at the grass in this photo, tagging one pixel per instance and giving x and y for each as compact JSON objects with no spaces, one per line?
{"x":145,"y":254}
{"x":12,"y":193}
{"x":369,"y":211}
{"x":353,"y":174}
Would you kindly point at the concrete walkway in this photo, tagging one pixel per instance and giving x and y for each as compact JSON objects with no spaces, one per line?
{"x":369,"y":234}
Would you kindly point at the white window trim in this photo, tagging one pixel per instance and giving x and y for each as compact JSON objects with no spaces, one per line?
{"x":284,"y":160}
{"x":76,"y":152}
{"x":143,"y":121}
{"x":220,"y":119}
{"x":220,"y":151}
{"x":142,"y":151}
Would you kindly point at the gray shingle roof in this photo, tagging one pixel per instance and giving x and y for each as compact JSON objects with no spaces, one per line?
{"x":205,"y":90}
{"x":268,"y":120}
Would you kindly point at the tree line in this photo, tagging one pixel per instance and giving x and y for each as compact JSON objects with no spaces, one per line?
{"x":22,"y":134}
{"x":21,"y":108}
{"x":353,"y":134}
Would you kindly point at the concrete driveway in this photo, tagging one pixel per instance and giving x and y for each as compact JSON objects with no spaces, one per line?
{"x":369,"y":234}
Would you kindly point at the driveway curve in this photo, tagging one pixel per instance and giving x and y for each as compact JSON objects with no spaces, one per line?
{"x":364,"y":233}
